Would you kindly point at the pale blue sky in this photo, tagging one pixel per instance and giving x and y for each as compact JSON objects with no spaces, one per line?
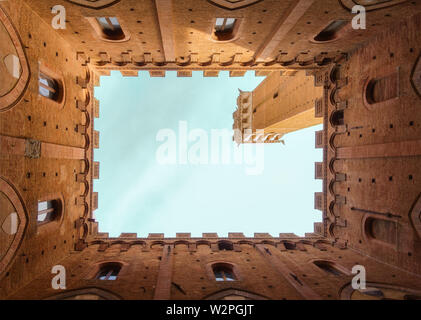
{"x":136,"y":194}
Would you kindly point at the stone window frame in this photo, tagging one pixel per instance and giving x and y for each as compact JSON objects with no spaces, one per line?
{"x":16,"y":199}
{"x":55,"y":223}
{"x":343,"y":270}
{"x":97,"y":30}
{"x":386,"y":103}
{"x":219,"y":295}
{"x":234,"y":267}
{"x":337,"y":35}
{"x":16,"y":93}
{"x":96,"y":267}
{"x":59,"y":79}
{"x":238,"y":26}
{"x":106,"y":295}
{"x":87,"y":4}
{"x":369,"y":238}
{"x":346,"y":291}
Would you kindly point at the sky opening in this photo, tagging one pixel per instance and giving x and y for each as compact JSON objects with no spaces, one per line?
{"x":138,"y":193}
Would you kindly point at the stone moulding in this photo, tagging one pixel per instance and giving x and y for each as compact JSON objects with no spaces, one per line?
{"x":13,"y":96}
{"x":17,"y":202}
{"x":95,"y":4}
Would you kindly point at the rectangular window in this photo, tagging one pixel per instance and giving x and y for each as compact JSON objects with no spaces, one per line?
{"x":224,"y":29}
{"x":48,"y":87}
{"x":45,"y":211}
{"x":110,"y":28}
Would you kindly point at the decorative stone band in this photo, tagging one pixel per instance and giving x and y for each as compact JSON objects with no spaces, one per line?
{"x":10,"y":99}
{"x":384,"y":150}
{"x":163,"y":285}
{"x":34,"y":149}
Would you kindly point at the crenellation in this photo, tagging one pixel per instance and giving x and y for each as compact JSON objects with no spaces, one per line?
{"x":362,"y":85}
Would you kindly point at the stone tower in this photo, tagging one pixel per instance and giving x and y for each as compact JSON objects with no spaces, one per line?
{"x":284,"y":102}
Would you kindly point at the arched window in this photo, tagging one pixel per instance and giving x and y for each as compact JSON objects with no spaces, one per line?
{"x":331,"y":32}
{"x":108,"y":271}
{"x":225,"y":245}
{"x":223,"y":272}
{"x":290,"y":245}
{"x":225,"y":29}
{"x":329,"y":267}
{"x":382,"y":89}
{"x":380,"y":229}
{"x":48,"y":87}
{"x":48,"y":210}
{"x":51,"y":85}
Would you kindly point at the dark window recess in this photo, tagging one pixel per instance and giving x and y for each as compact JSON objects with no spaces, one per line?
{"x":224,"y":28}
{"x":337,"y":118}
{"x":225,"y":246}
{"x":108,"y":271}
{"x":223,"y":273}
{"x":110,"y":28}
{"x":275,"y":95}
{"x":48,"y":87}
{"x":331,"y":31}
{"x":382,"y":89}
{"x":328,"y":267}
{"x":379,"y":229}
{"x":48,"y":211}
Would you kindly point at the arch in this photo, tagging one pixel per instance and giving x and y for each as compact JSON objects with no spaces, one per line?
{"x":335,"y":74}
{"x":379,"y":291}
{"x":177,"y":242}
{"x":9,"y":195}
{"x":233,"y":293}
{"x":332,"y":187}
{"x":225,"y":245}
{"x":381,"y":91}
{"x":332,"y":31}
{"x":223,"y":271}
{"x":87,"y":293}
{"x":332,"y":230}
{"x":52,"y":87}
{"x":137,"y":242}
{"x":112,"y":243}
{"x":94,"y":4}
{"x":372,"y":5}
{"x":337,"y":118}
{"x":332,"y":141}
{"x":52,"y":207}
{"x":272,"y":243}
{"x":110,"y":29}
{"x":157,"y":243}
{"x":307,"y":242}
{"x":233,"y":5}
{"x":17,"y":82}
{"x":381,"y":230}
{"x":225,"y":29}
{"x":203,"y":242}
{"x":87,"y":141}
{"x":324,"y":242}
{"x":415,"y":216}
{"x":331,"y":267}
{"x":251,"y":243}
{"x":108,"y":271}
{"x":289,"y":245}
{"x":49,"y":210}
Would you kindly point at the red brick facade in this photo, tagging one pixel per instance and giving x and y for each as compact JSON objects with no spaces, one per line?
{"x":371,"y":145}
